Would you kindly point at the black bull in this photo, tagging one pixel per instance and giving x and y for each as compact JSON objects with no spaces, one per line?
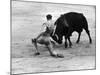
{"x":67,"y":23}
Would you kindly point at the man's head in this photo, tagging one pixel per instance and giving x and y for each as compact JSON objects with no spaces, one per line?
{"x":49,"y":16}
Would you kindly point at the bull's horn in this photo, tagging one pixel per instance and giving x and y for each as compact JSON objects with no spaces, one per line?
{"x":56,"y":36}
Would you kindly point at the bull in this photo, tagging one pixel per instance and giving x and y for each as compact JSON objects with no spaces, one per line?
{"x":66,"y":24}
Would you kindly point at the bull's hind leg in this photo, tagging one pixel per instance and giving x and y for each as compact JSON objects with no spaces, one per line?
{"x":79,"y":34}
{"x":87,"y":31}
{"x":35,"y":44}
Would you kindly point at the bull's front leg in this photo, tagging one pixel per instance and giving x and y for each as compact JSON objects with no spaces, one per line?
{"x":70,"y":43}
{"x":66,"y":44}
{"x":67,"y":36}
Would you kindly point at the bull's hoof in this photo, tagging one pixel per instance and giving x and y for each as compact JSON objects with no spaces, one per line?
{"x":58,"y":55}
{"x":77,"y":42}
{"x":90,"y":41}
{"x":37,"y":53}
{"x":70,"y":46}
{"x":66,"y":46}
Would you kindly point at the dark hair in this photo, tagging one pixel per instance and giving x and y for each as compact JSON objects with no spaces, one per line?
{"x":49,"y":16}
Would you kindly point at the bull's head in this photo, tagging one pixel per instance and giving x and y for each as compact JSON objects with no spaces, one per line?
{"x":58,"y":33}
{"x":57,"y":38}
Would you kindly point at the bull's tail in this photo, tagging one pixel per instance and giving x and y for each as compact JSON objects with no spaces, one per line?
{"x":85,"y":26}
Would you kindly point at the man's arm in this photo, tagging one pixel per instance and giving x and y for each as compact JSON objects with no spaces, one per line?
{"x":43,"y":27}
{"x":54,"y":30}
